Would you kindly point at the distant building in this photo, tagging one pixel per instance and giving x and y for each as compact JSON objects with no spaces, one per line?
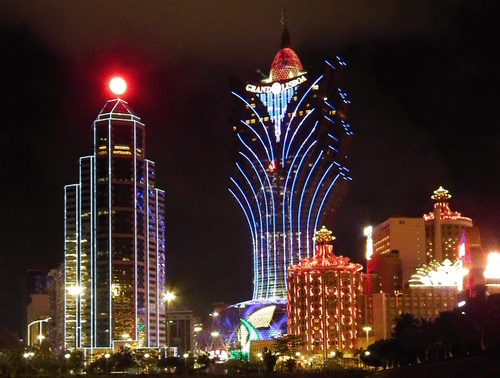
{"x":426,"y":302}
{"x":180,"y":330}
{"x":324,"y":300}
{"x":443,"y":228}
{"x":398,"y":247}
{"x":37,"y":310}
{"x":415,"y":242}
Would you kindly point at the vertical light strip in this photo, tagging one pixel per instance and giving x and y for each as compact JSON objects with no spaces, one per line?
{"x":65,"y":265}
{"x":78,"y":252}
{"x":136,"y":183}
{"x":110,"y":276}
{"x":148,"y":278}
{"x":94,"y":241}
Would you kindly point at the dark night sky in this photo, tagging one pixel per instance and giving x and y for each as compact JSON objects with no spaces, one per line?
{"x":423,"y":78}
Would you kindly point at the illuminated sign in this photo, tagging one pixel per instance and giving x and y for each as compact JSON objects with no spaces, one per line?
{"x":276,"y":87}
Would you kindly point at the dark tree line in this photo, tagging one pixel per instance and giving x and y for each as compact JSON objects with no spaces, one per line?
{"x":471,"y":329}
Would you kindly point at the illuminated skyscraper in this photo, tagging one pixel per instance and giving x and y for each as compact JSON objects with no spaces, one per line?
{"x":114,"y":239}
{"x":293,"y":139}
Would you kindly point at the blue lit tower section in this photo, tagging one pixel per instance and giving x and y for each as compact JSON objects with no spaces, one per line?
{"x":115,"y":239}
{"x":292,"y":141}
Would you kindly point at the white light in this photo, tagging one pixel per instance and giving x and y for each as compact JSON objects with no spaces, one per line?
{"x":461,"y":303}
{"x":117,"y":85}
{"x":492,"y":270}
{"x":74,"y":290}
{"x":368,"y":230}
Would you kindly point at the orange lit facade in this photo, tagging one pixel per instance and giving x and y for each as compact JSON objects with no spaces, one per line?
{"x":443,"y":228}
{"x":324,"y":300}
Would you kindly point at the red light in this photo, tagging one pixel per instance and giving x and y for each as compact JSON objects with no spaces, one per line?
{"x":117,"y":85}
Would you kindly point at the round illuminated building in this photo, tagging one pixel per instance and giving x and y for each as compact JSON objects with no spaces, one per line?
{"x":324,"y":294}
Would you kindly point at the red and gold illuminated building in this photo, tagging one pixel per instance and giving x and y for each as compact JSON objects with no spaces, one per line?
{"x":443,"y":228}
{"x":324,"y":296}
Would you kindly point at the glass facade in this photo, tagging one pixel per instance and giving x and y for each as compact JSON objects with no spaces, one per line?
{"x":114,"y":239}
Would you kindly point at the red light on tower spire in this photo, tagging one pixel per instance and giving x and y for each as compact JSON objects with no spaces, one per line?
{"x":117,"y":85}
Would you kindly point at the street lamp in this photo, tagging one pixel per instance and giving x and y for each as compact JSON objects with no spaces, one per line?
{"x":367,"y":329}
{"x":107,"y":355}
{"x":259,"y":355}
{"x":185,"y":355}
{"x":146,"y":356}
{"x":167,"y":298}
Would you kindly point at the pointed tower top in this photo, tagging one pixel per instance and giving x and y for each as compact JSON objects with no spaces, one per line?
{"x":285,"y":37}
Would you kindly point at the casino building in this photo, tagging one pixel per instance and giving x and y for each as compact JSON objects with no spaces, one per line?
{"x":114,"y":266}
{"x":292,"y":140}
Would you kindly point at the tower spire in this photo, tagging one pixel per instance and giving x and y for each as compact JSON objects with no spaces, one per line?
{"x":285,"y":37}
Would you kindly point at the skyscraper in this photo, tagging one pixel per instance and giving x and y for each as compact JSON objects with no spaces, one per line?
{"x":114,"y":239}
{"x":292,"y":138}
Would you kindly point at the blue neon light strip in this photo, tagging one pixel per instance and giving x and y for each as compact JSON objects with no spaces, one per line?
{"x":293,"y":116}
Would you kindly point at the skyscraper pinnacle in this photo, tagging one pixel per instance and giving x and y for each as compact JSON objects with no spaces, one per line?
{"x":285,"y":37}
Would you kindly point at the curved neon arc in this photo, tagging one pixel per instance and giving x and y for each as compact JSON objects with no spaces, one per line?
{"x":259,"y":248}
{"x":267,"y":213}
{"x":273,"y":206}
{"x":260,"y":120}
{"x":291,"y":200}
{"x":302,"y":199}
{"x":295,"y":133}
{"x":249,"y":225}
{"x":293,"y":116}
{"x":311,"y":206}
{"x":285,"y":192}
{"x":258,"y":136}
{"x":320,"y":208}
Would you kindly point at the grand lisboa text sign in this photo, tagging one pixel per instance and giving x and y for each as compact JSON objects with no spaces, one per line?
{"x":276,"y":88}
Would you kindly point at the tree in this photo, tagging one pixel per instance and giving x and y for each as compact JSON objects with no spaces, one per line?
{"x":270,"y":360}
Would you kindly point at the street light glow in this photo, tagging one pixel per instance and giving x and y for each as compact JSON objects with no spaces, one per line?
{"x":167,"y":297}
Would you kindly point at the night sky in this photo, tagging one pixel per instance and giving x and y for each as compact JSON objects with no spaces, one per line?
{"x":422,"y":76}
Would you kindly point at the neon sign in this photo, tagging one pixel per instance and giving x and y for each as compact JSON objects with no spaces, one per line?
{"x":276,"y":88}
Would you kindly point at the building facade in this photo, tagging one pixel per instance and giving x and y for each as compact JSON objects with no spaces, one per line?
{"x":292,"y":140}
{"x":324,"y":300}
{"x":443,"y":228}
{"x":114,"y":267}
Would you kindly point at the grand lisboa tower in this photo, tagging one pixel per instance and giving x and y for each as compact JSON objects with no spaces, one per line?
{"x":292,"y":143}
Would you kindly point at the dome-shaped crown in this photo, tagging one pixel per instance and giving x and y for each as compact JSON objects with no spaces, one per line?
{"x":286,"y":65}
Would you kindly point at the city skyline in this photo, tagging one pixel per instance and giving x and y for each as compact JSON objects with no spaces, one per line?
{"x":422,"y":80}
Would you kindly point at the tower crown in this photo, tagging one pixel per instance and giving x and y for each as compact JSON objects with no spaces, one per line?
{"x":286,"y":65}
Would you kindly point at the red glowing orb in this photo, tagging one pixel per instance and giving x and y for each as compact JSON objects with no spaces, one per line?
{"x":117,"y":85}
